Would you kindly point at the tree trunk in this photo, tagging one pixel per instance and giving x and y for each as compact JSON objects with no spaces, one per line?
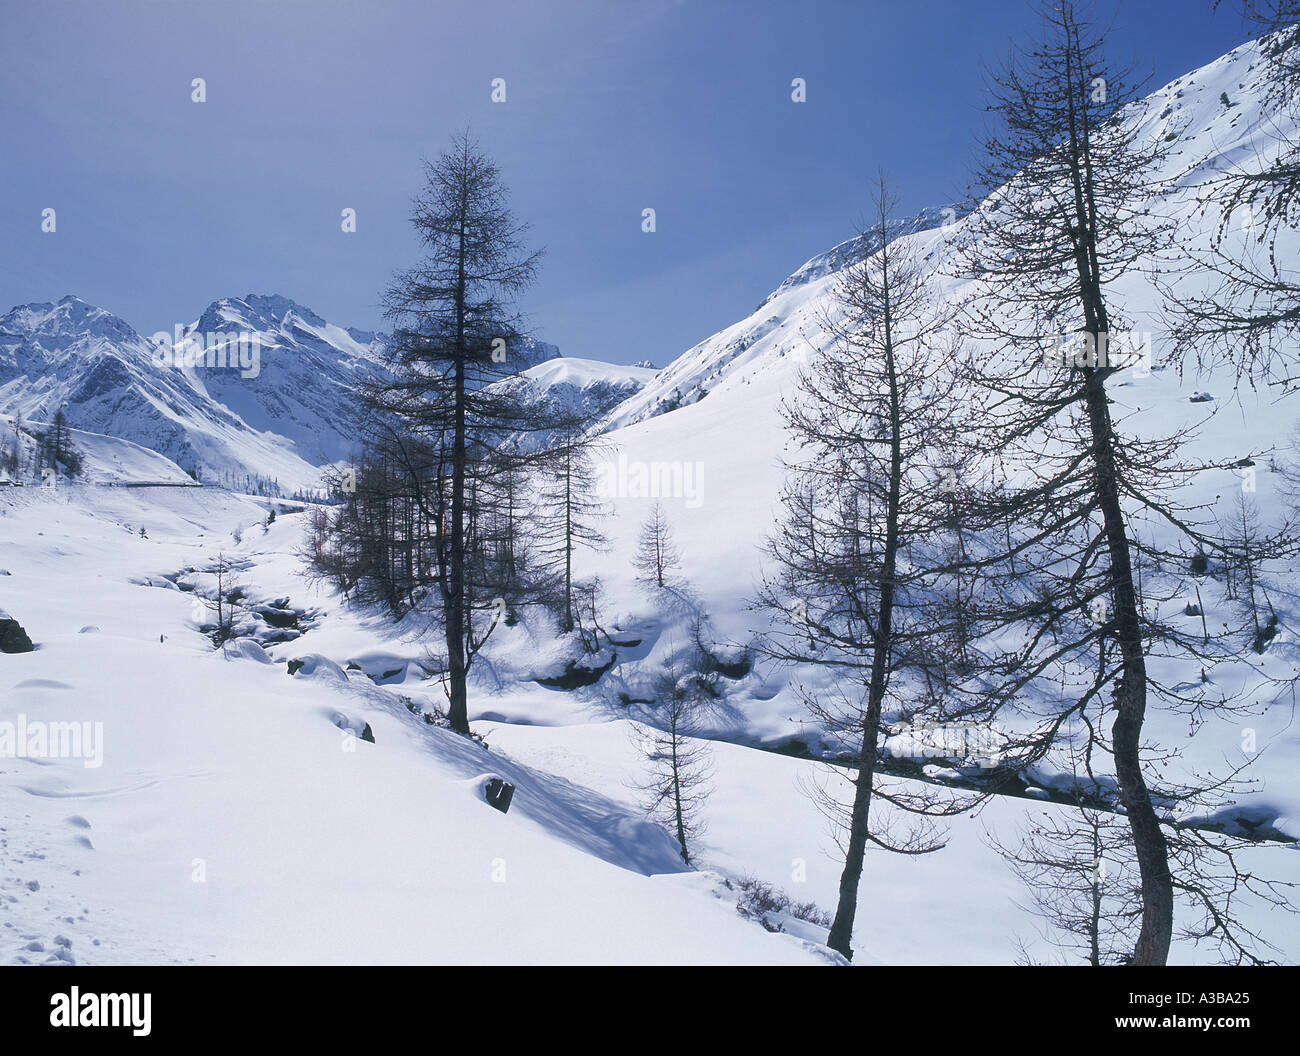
{"x":841,"y":933}
{"x":458,"y":708}
{"x":1131,"y":689}
{"x":1130,"y":698}
{"x":568,"y":542}
{"x":677,"y":799}
{"x":1094,"y":920}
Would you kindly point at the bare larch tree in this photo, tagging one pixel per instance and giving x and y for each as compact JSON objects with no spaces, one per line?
{"x":861,"y":587}
{"x":657,"y":555}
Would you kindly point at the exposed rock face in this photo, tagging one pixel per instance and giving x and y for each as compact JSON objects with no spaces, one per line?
{"x":13,"y":639}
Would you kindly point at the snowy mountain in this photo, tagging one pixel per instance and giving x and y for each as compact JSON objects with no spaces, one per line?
{"x":258,"y":387}
{"x":108,"y":379}
{"x":736,"y":377}
{"x":587,"y":388}
{"x":309,"y":371}
{"x":307,"y":375}
{"x":780,"y":334}
{"x":863,"y":245}
{"x":710,"y":429}
{"x":692,"y":375}
{"x":588,"y":384}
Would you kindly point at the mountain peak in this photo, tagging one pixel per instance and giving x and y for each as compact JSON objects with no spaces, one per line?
{"x":68,"y":317}
{"x":255,"y":311}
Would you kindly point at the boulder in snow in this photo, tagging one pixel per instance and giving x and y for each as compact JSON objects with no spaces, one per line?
{"x":498,"y":793}
{"x":313,"y":665}
{"x":13,"y":639}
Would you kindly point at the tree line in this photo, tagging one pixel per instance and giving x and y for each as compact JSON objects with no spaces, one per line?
{"x":472,"y":492}
{"x":30,"y":451}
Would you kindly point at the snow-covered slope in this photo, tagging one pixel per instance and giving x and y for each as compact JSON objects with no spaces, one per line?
{"x":588,"y":379}
{"x":861,"y":246}
{"x":719,"y":455}
{"x":220,"y":810}
{"x":585,"y":387}
{"x":103,"y":459}
{"x":691,"y":376}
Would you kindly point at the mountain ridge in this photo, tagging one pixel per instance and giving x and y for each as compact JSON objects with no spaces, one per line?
{"x":259,"y":386}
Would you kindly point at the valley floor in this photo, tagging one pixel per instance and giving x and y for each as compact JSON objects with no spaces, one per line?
{"x":236,"y":816}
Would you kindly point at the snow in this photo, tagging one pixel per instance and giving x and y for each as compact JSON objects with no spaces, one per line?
{"x":233,"y":821}
{"x":237,"y":807}
{"x":108,"y":459}
{"x":582,"y":373}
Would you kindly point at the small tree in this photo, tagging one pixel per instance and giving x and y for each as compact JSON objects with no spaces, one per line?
{"x":1247,"y":546}
{"x":1082,"y":872}
{"x":222,"y":604}
{"x":1082,"y":878}
{"x":57,"y":451}
{"x":10,"y":453}
{"x":14,"y":457}
{"x":657,"y":556}
{"x":571,"y":507}
{"x":1082,"y":875}
{"x":679,"y":762}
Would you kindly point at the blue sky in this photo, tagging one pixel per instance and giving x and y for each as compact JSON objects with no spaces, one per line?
{"x":684,"y":106}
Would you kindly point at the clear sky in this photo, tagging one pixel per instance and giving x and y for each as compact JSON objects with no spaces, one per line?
{"x":684,"y":106}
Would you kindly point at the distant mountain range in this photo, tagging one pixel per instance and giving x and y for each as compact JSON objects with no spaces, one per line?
{"x":258,"y":387}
